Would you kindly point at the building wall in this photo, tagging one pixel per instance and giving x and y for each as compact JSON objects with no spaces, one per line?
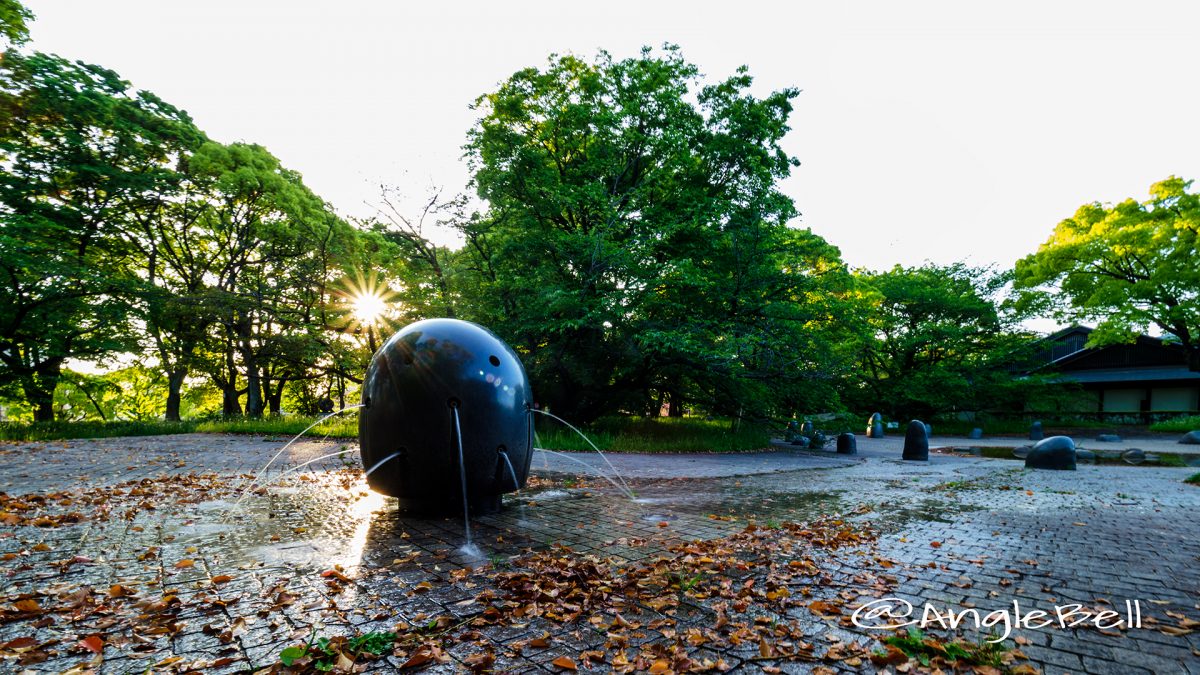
{"x":1181,"y":399}
{"x":1124,"y":400}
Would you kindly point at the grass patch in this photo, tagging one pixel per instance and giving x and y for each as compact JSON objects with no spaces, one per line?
{"x":929,"y":651}
{"x":1194,"y":479}
{"x":340,"y":426}
{"x":54,"y":431}
{"x":655,"y":435}
{"x":1180,"y":425}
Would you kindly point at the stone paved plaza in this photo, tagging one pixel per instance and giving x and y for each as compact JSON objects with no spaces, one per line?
{"x":159,"y":554}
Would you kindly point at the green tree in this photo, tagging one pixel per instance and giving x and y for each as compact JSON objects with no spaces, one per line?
{"x":14,"y":22}
{"x":940,"y":342}
{"x":635,"y":244}
{"x":276,"y":249}
{"x":82,"y":154}
{"x":1131,"y":267}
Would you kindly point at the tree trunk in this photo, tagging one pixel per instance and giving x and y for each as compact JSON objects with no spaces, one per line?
{"x":174,"y":386}
{"x":43,"y":408}
{"x":39,"y":389}
{"x":676,"y":405}
{"x":230,"y":405}
{"x":254,"y":399}
{"x":275,"y":397}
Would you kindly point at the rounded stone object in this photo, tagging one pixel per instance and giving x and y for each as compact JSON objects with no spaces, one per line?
{"x":975,"y":434}
{"x":1035,"y":431}
{"x":1056,"y":453}
{"x":916,"y":442}
{"x":1022,"y":452}
{"x":1191,"y":438}
{"x":928,"y":430}
{"x":1134,"y":456}
{"x":413,"y":387}
{"x":800,"y":441}
{"x":1108,"y":438}
{"x":1083,"y":456}
{"x":875,"y":426}
{"x":807,"y":429}
{"x":847,"y":444}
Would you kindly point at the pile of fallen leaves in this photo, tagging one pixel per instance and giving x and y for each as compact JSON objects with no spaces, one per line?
{"x":757,"y":591}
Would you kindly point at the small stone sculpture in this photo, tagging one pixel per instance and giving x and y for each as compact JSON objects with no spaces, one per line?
{"x":1035,"y":431}
{"x":1056,"y":453}
{"x":846,"y":444}
{"x":916,"y":442}
{"x":875,"y":426}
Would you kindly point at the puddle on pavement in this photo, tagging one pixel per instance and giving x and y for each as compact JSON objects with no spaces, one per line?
{"x":895,"y":516}
{"x":323,"y":522}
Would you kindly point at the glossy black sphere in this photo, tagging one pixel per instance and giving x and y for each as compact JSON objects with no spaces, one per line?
{"x":414,"y":385}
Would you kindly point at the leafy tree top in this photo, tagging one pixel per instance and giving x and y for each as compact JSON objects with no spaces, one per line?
{"x":1131,"y":266}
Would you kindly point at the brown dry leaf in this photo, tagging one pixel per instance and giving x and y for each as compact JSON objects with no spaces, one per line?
{"x":92,"y":643}
{"x":540,"y":642}
{"x":185,"y":563}
{"x":565,"y":663}
{"x":935,"y":544}
{"x":660,"y":666}
{"x":28,"y":605}
{"x":41,"y":547}
{"x":222,"y":579}
{"x":823,"y":608}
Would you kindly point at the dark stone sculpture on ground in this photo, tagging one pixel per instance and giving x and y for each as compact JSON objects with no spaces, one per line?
{"x":975,"y":434}
{"x":916,"y":442}
{"x":1108,"y":438}
{"x":1191,"y":438}
{"x":875,"y":426}
{"x":847,"y":444}
{"x":1035,"y":431}
{"x":416,"y":383}
{"x":1055,"y":452}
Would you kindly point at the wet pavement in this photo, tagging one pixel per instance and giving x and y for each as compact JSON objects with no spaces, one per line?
{"x":159,"y":553}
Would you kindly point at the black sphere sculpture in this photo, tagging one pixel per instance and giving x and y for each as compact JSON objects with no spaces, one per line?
{"x":916,"y":442}
{"x":429,"y":383}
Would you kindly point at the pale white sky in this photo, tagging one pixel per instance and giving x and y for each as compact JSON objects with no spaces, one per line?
{"x":926,"y":130}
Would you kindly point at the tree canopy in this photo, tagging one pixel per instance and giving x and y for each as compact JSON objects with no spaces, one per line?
{"x":636,"y":246}
{"x":1131,"y":267}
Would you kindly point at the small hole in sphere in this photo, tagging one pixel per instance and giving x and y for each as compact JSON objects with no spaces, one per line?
{"x":453,"y":402}
{"x":493,"y":360}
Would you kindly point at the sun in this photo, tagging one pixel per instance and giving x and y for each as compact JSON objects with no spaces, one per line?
{"x":368,"y":307}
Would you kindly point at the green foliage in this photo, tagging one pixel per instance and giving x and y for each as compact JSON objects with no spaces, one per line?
{"x":1130,"y":266}
{"x":324,"y":654}
{"x":340,"y":426}
{"x":941,"y":343}
{"x":925,"y":649}
{"x":52,"y":431}
{"x":1177,"y":425}
{"x":657,"y":435}
{"x":14,"y":22}
{"x":1194,"y":479}
{"x":635,"y":249}
{"x":84,"y":157}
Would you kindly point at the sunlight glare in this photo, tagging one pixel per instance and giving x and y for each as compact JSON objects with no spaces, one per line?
{"x":368,"y":307}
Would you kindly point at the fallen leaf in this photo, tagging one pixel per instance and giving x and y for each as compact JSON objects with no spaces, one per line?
{"x":92,"y":643}
{"x":565,"y":663}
